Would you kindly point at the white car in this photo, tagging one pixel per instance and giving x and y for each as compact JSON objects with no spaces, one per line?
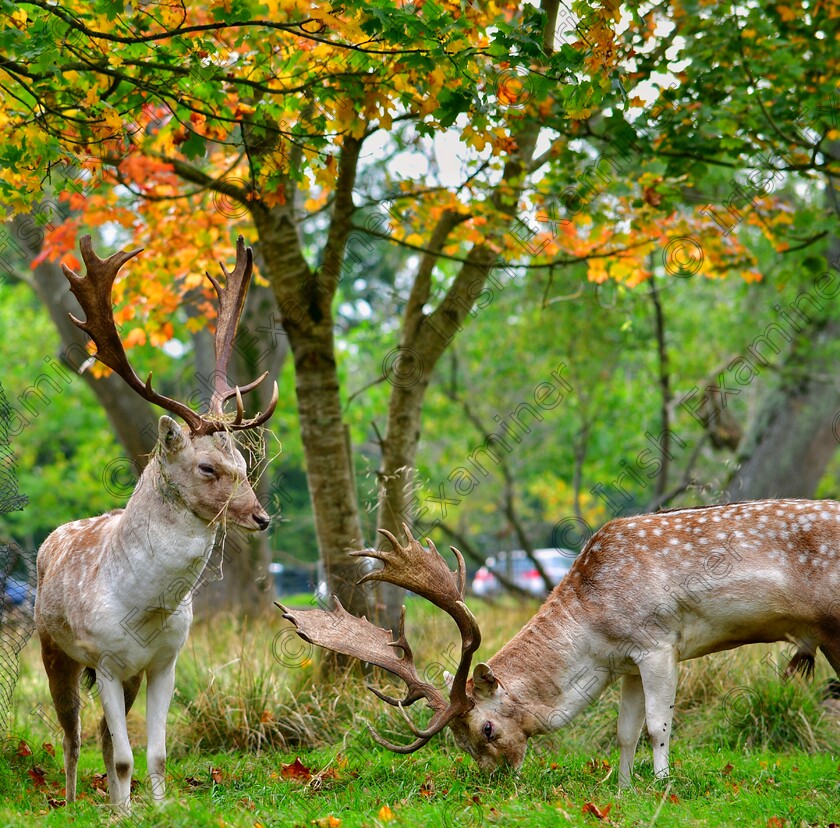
{"x":521,"y":570}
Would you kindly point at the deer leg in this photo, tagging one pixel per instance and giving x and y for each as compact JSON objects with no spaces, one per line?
{"x":130,"y":688}
{"x":160,"y":684}
{"x":112,"y":696}
{"x":63,"y":675}
{"x":832,"y":652}
{"x":659,"y":679}
{"x":631,"y":717}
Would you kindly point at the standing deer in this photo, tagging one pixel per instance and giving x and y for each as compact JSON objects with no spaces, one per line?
{"x":645,"y":593}
{"x":115,"y":591}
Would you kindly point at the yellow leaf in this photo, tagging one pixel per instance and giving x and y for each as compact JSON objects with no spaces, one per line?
{"x":416,"y":239}
{"x":385,"y":814}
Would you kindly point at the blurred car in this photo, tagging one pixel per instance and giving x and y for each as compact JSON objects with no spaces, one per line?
{"x":289,"y":580}
{"x":18,"y":596}
{"x":519,"y":568}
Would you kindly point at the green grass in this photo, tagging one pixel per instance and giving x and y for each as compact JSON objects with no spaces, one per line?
{"x":747,"y":749}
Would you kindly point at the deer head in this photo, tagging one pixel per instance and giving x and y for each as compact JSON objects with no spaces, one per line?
{"x":474,"y":704}
{"x":199,"y":465}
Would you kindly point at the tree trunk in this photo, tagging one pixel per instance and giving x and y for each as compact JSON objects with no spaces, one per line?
{"x":797,"y":431}
{"x":305,"y":305}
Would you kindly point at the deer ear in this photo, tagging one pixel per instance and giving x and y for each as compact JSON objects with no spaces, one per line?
{"x":484,"y":682}
{"x":171,"y":435}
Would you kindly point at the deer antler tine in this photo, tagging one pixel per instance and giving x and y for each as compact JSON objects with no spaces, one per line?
{"x":384,"y":696}
{"x":240,"y":408}
{"x":394,"y":542}
{"x":410,"y":722}
{"x":415,"y":745}
{"x":462,"y":571}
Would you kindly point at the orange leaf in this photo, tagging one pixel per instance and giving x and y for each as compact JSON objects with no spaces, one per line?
{"x":776,"y":822}
{"x":23,"y":749}
{"x":216,"y":775}
{"x":296,"y":770}
{"x":601,"y":813}
{"x":385,"y":813}
{"x":134,"y":338}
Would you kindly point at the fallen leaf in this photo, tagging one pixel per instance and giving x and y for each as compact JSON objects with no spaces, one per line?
{"x":193,"y":782}
{"x":427,"y":788}
{"x":216,"y":775}
{"x":674,"y":798}
{"x":601,"y":813}
{"x":728,"y":768}
{"x":23,"y":749}
{"x":99,"y":781}
{"x":385,"y":814}
{"x":327,"y":822}
{"x":38,"y":775}
{"x":49,"y":748}
{"x":56,"y":803}
{"x":296,"y":770}
{"x":776,"y":822}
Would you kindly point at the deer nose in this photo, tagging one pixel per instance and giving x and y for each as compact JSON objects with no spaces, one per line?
{"x":262,"y":521}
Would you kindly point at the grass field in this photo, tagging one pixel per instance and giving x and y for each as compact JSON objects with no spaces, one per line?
{"x":748,"y":749}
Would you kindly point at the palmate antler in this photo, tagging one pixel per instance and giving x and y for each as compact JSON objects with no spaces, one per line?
{"x":94,"y":294}
{"x":424,"y":572}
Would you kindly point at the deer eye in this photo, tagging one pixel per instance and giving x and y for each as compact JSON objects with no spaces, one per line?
{"x":489,"y":731}
{"x":207,"y":470}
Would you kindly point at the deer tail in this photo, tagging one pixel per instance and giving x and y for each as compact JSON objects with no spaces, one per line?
{"x":88,"y":678}
{"x":801,"y":662}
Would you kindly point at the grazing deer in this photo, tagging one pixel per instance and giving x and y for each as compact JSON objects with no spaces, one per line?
{"x":645,"y":593}
{"x":115,"y":591}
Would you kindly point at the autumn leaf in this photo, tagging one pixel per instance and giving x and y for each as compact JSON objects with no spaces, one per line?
{"x":38,"y":775}
{"x":296,"y":771}
{"x":216,"y":775}
{"x":727,"y":769}
{"x":776,"y":822}
{"x":327,"y":822}
{"x":23,"y":749}
{"x":49,"y":748}
{"x":601,"y":813}
{"x":385,"y":813}
{"x":99,"y":782}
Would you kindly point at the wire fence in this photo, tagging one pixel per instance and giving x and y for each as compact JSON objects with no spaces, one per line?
{"x":17,"y":575}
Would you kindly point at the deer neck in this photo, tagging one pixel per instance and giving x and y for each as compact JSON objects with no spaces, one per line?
{"x":158,"y":538}
{"x":552,"y":666}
